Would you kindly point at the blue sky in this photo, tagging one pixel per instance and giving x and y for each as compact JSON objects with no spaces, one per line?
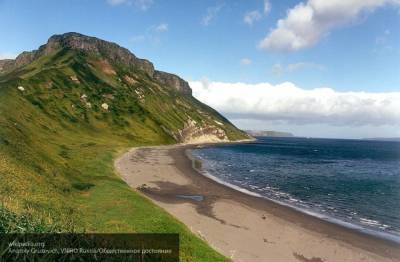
{"x":346,"y":47}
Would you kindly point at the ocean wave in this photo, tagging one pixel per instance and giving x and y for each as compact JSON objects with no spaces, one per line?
{"x":306,"y":209}
{"x":307,"y":182}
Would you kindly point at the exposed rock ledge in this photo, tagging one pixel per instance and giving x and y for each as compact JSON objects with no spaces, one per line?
{"x":174,"y":81}
{"x":195,"y":133}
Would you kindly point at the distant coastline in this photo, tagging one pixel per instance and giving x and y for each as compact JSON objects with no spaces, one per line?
{"x":388,"y":139}
{"x":268,"y":133}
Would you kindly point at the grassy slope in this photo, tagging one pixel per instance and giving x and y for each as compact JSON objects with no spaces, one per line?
{"x":56,"y":155}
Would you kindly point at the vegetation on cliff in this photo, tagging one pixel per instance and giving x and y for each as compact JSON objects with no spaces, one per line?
{"x":66,"y":111}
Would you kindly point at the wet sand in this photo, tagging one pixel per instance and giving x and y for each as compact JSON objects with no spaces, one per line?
{"x":240,"y":226}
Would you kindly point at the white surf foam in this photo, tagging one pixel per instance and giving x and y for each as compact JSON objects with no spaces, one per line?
{"x":376,"y":233}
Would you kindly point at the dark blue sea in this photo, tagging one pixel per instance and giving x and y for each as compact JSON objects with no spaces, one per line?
{"x":352,"y":182}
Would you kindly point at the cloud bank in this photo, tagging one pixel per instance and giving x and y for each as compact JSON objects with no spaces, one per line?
{"x":290,"y":104}
{"x":306,"y":23}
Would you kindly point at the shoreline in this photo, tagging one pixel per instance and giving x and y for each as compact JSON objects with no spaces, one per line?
{"x":381,"y":235}
{"x":241,"y":226}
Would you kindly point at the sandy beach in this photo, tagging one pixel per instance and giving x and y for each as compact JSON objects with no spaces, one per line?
{"x":240,"y":226}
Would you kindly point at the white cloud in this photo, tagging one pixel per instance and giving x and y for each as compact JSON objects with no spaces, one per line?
{"x":7,"y":56}
{"x":252,"y":16}
{"x":306,"y":23}
{"x":212,"y":12}
{"x":245,"y":61}
{"x":161,"y":28}
{"x":141,"y":4}
{"x":290,"y":104}
{"x":267,"y":7}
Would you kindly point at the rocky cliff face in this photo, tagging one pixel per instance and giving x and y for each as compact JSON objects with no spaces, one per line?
{"x":6,"y":64}
{"x":173,"y":81}
{"x":110,"y":51}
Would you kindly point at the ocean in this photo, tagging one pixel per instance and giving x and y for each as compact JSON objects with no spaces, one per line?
{"x":355,"y":183}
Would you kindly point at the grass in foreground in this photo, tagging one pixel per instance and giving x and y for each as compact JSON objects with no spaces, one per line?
{"x":56,"y":159}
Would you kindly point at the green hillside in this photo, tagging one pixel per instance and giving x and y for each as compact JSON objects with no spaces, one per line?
{"x":66,"y":111}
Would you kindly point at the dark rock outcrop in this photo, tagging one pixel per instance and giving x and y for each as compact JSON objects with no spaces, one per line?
{"x":110,"y":50}
{"x":173,"y":81}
